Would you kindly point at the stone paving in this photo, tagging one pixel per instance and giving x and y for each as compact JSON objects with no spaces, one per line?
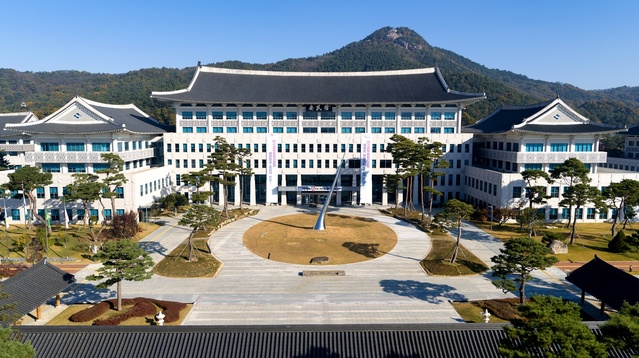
{"x":250,"y":290}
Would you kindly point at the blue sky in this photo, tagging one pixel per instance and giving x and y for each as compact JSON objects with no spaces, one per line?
{"x":590,"y":44}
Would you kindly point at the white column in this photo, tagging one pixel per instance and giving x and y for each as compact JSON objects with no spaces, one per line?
{"x":298,"y":197}
{"x":338,"y":195}
{"x":253,"y":196}
{"x":283,"y":199}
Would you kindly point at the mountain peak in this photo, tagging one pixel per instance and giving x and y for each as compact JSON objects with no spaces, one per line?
{"x":399,"y":36}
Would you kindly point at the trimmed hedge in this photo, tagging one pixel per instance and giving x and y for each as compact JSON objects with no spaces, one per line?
{"x":142,"y":306}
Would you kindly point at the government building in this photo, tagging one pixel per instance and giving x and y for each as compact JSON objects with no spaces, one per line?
{"x":300,"y":127}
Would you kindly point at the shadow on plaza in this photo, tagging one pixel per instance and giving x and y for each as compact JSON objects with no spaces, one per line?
{"x":425,"y":291}
{"x":153,"y":247}
{"x":87,"y":293}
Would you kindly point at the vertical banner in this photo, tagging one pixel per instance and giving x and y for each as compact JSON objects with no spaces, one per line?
{"x":366,"y":180}
{"x":271,"y":168}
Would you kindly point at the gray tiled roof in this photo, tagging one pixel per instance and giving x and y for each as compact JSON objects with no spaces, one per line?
{"x":213,"y":85}
{"x":511,"y":118}
{"x":606,"y":282}
{"x":13,"y":118}
{"x":33,"y":287}
{"x":435,"y":340}
{"x":122,"y":118}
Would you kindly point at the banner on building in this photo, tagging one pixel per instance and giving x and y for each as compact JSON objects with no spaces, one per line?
{"x":366,"y":180}
{"x":272,"y":171}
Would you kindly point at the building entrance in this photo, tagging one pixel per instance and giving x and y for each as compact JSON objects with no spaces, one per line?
{"x":316,"y":198}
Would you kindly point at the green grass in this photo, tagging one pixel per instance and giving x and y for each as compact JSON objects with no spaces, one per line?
{"x":591,"y":239}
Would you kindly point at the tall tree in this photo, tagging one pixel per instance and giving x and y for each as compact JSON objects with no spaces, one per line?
{"x":224,"y":166}
{"x":520,"y":257}
{"x":579,"y":195}
{"x":429,"y":166}
{"x":571,"y":172}
{"x":27,"y":179}
{"x":535,"y":193}
{"x":199,"y":217}
{"x":87,"y":188}
{"x":392,"y":185}
{"x":114,"y":177}
{"x":4,"y":162}
{"x":122,"y":260}
{"x":454,"y":212}
{"x":198,"y":180}
{"x":550,"y":327}
{"x":620,"y":196}
{"x":405,"y":155}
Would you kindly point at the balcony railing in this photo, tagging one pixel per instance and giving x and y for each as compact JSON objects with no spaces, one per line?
{"x":84,"y":157}
{"x":543,"y":157}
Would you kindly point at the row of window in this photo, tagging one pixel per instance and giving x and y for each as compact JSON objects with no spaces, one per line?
{"x":446,"y":130}
{"x":559,"y":147}
{"x":249,"y":115}
{"x":55,"y":214}
{"x":55,"y":194}
{"x":155,"y":185}
{"x":84,"y":167}
{"x":591,"y":213}
{"x":95,"y":147}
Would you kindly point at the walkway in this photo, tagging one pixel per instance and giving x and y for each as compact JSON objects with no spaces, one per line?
{"x":250,"y":290}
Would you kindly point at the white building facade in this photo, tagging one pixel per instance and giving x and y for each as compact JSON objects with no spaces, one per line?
{"x":299,"y":126}
{"x":71,"y":140}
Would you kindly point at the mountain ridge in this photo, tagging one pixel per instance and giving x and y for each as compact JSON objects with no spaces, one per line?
{"x":385,"y":49}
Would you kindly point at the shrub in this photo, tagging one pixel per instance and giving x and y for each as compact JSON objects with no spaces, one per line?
{"x":550,"y":236}
{"x":125,"y":226}
{"x":505,"y":309}
{"x":91,"y":313}
{"x":618,"y":243}
{"x":140,"y":309}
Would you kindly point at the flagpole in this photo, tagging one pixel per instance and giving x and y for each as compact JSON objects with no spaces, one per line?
{"x":6,"y":223}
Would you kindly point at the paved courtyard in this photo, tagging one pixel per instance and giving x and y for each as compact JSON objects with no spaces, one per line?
{"x":250,"y":290}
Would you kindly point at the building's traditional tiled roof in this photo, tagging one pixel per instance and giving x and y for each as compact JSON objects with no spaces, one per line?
{"x":216,"y":85}
{"x":33,"y":287}
{"x":606,"y":283}
{"x":434,"y":340}
{"x":102,"y":118}
{"x":20,"y":117}
{"x":524,"y":119}
{"x":634,"y":131}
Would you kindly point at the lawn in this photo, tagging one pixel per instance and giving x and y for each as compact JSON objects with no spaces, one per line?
{"x":591,"y":239}
{"x":438,"y":260}
{"x":176,"y":264}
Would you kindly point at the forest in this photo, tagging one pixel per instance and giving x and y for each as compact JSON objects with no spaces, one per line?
{"x":385,"y":49}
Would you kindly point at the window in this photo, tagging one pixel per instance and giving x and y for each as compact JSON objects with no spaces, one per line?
{"x":534,"y":147}
{"x":15,"y":214}
{"x":435,"y":115}
{"x":347,"y":115}
{"x":220,"y":115}
{"x":187,"y":129}
{"x":291,"y":129}
{"x":200,"y":129}
{"x":101,"y":147}
{"x":558,"y":147}
{"x":119,"y":191}
{"x":119,"y":212}
{"x":192,"y":148}
{"x":360,"y":130}
{"x":347,"y":129}
{"x":603,"y":214}
{"x":247,"y":130}
{"x":231,"y":115}
{"x":449,"y":116}
{"x":385,"y":163}
{"x":55,"y":214}
{"x":406,"y":116}
{"x":261,"y":130}
{"x":278,"y":115}
{"x":376,"y":116}
{"x":419,"y":130}
{"x":376,"y":129}
{"x":291,"y":115}
{"x":107,"y":214}
{"x":328,"y":130}
{"x":309,"y":130}
{"x":187,"y":115}
{"x":360,"y":115}
{"x":100,"y":166}
{"x":583,"y":147}
{"x":51,"y":167}
{"x":260,"y":115}
{"x":49,"y":147}
{"x":76,"y":168}
{"x":405,"y":130}
{"x":532,"y":166}
{"x":420,"y":115}
{"x":554,"y":192}
{"x":590,"y":213}
{"x":449,"y":130}
{"x":75,"y":147}
{"x":389,"y":129}
{"x":389,"y":116}
{"x":247,"y":115}
{"x":40,"y":193}
{"x":278,"y":129}
{"x":200,"y":148}
{"x":516,"y":192}
{"x":231,"y":129}
{"x":579,"y":213}
{"x":435,"y":130}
